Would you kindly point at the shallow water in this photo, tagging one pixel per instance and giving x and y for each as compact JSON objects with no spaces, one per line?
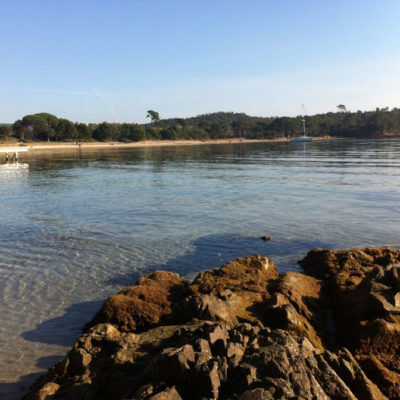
{"x":77,"y":227}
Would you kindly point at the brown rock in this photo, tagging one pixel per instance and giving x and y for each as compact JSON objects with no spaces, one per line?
{"x":48,"y":391}
{"x":242,"y":284}
{"x":297,"y":307}
{"x":212,"y":308}
{"x":206,"y":380}
{"x":174,"y":363}
{"x":167,"y":394}
{"x":249,"y":274}
{"x":351,"y":300}
{"x":286,"y":367}
{"x":143,"y":305}
{"x":361,"y":286}
{"x":386,"y":380}
{"x":257,"y":394}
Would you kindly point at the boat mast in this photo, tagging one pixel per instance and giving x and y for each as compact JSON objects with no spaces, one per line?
{"x":303,"y":119}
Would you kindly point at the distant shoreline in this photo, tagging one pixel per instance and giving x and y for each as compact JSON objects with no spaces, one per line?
{"x":65,"y":146}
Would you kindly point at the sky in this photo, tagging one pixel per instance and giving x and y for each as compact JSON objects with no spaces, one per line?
{"x":94,"y":61}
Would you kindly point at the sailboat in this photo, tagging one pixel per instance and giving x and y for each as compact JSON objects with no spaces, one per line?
{"x":302,"y":137}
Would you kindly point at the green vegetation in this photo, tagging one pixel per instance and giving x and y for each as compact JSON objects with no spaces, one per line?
{"x":220,"y":125}
{"x":153,"y":115}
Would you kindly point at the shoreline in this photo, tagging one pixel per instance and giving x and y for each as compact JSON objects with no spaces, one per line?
{"x":55,"y":146}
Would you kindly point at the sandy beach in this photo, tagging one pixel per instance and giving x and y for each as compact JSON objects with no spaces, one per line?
{"x":65,"y":146}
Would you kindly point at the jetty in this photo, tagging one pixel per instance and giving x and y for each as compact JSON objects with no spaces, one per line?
{"x":12,"y":152}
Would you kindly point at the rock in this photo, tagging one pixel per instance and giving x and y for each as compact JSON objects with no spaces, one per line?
{"x":361,"y":288}
{"x":250,"y":274}
{"x":286,"y":367}
{"x":167,"y":394}
{"x":265,"y":238}
{"x":235,"y":352}
{"x":385,"y":379}
{"x":242,"y":284}
{"x":206,"y":380}
{"x":143,"y":305}
{"x":47,"y":391}
{"x":244,"y":332}
{"x":174,"y":363}
{"x":257,"y":394}
{"x":212,"y":308}
{"x":296,"y":306}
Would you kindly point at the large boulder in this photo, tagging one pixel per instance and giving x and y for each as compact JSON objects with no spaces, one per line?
{"x":144,"y":305}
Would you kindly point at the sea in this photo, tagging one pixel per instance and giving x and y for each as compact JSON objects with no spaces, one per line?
{"x":78,"y":226}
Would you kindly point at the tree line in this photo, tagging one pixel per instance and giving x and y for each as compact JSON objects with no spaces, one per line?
{"x":219,"y":125}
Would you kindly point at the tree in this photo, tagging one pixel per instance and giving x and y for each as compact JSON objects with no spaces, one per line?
{"x":285,"y":126}
{"x":220,"y":130}
{"x":342,"y":108}
{"x":196,"y":133}
{"x":104,"y":132}
{"x":5,"y":130}
{"x":65,"y":130}
{"x":169,"y":134}
{"x":153,"y":115}
{"x":83,"y":131}
{"x":40,"y":126}
{"x":240,"y":127}
{"x":153,"y":133}
{"x":138,"y":132}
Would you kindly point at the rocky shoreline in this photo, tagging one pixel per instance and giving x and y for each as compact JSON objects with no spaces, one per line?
{"x":246,"y":332}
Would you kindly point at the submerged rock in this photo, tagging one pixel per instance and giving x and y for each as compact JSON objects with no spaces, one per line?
{"x":244,"y":332}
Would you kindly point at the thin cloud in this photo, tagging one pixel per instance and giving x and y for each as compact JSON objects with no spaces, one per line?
{"x":58,"y":91}
{"x":108,"y":103}
{"x":95,"y":93}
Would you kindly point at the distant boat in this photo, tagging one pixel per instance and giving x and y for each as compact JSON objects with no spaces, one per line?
{"x":302,"y":137}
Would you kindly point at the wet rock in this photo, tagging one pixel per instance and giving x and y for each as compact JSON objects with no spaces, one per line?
{"x":265,"y":238}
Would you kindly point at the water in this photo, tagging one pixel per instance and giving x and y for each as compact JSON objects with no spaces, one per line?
{"x":77,"y":227}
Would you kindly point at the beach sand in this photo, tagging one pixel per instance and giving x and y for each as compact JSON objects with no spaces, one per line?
{"x":66,"y":146}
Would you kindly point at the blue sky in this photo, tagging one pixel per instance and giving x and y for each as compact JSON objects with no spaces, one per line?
{"x":94,"y":61}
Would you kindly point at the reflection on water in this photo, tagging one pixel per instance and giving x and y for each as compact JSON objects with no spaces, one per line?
{"x":13,"y":166}
{"x":78,"y":226}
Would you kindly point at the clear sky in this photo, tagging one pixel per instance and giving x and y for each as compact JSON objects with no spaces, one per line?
{"x":94,"y":61}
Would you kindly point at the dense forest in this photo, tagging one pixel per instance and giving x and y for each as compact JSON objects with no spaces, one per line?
{"x":47,"y":127}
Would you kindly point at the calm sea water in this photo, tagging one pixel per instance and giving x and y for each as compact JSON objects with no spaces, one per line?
{"x":77,"y":227}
